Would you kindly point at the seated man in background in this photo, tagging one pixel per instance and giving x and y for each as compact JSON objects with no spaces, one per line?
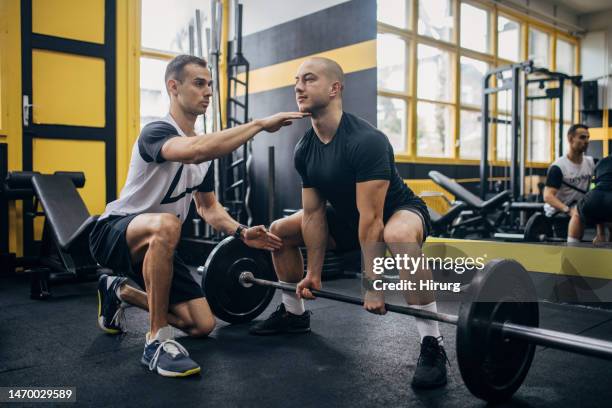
{"x":346,"y":162}
{"x":568,"y":179}
{"x":596,"y":206}
{"x":138,"y":233}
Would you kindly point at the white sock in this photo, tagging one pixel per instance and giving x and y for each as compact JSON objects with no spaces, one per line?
{"x":292,"y":303}
{"x":427,"y":327}
{"x":572,"y":240}
{"x":165,"y":333}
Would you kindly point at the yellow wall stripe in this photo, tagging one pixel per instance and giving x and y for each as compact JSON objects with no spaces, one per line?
{"x":559,"y":259}
{"x":352,"y":58}
{"x":600,"y":133}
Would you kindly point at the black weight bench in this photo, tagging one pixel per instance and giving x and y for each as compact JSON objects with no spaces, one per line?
{"x":481,"y":210}
{"x":64,"y":252}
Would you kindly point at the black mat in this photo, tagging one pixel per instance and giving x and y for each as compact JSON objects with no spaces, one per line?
{"x":351,"y":359}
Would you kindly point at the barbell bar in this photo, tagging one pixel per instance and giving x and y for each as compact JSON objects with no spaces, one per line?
{"x":543,"y":337}
{"x":497,"y":325}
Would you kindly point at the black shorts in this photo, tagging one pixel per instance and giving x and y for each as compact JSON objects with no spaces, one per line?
{"x":595,"y":207}
{"x":347,"y":235}
{"x":109,"y":248}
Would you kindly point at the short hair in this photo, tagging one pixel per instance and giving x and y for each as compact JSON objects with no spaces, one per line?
{"x":572,"y":130}
{"x":332,"y":68}
{"x":175,"y":68}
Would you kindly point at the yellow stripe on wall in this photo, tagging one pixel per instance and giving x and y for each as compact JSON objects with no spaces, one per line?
{"x":559,"y":259}
{"x":351,"y":58}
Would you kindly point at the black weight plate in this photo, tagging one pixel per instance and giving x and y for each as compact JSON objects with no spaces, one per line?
{"x":538,"y":226}
{"x":228,"y":299}
{"x":493,"y":367}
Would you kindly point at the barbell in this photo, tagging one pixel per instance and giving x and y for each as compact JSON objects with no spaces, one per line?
{"x":497,"y":325}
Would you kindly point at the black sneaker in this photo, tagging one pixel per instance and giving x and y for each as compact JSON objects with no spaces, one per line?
{"x":431,"y":366}
{"x":110,"y":312}
{"x":281,"y":321}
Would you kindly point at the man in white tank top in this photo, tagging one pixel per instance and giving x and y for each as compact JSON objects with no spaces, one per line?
{"x":568,"y":179}
{"x":138,"y":233}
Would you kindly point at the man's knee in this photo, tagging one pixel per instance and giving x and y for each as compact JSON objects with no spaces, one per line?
{"x":166,"y":230}
{"x":283,"y":228}
{"x":203,"y":328}
{"x":401,"y":234}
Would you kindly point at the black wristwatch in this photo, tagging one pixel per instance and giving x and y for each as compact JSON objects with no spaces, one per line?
{"x":238,"y":233}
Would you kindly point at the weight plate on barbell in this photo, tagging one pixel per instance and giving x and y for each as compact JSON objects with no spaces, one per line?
{"x":494,"y":366}
{"x":538,"y":228}
{"x":228,"y":299}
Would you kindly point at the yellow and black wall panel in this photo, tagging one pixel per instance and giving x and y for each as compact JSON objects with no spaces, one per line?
{"x":68,"y":84}
{"x":346,"y":33}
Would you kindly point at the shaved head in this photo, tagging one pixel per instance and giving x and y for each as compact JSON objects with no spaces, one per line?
{"x":330,"y":68}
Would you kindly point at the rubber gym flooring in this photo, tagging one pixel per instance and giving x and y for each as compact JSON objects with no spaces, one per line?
{"x":351,"y":358}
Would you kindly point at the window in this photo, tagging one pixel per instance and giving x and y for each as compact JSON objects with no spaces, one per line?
{"x":431,"y":73}
{"x":504,"y":137}
{"x":391,"y":118}
{"x":470,"y":135}
{"x":391,"y":62}
{"x":565,"y":57}
{"x":538,"y":142}
{"x":434,"y":74}
{"x":472,"y":76}
{"x":539,"y":48}
{"x":394,"y":12}
{"x":508,"y":39}
{"x":436,"y":19}
{"x":164,"y":34}
{"x":154,"y":101}
{"x":434,"y":130}
{"x":474,"y":28}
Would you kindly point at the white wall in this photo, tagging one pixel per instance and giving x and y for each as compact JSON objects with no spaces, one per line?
{"x":596,"y":53}
{"x":262,"y":14}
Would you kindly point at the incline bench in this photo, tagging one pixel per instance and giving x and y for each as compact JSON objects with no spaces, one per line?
{"x":64,"y":251}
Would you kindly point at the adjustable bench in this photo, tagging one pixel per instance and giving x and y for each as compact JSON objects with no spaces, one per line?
{"x":478,"y":221}
{"x":64,"y":251}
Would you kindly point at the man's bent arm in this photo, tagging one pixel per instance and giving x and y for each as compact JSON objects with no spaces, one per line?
{"x":314,"y":230}
{"x":209,"y":208}
{"x":550,"y":198}
{"x":370,"y":203}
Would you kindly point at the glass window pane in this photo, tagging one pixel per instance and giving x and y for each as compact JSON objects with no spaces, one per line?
{"x":433,"y":130}
{"x":504,"y":138}
{"x":567,"y":104}
{"x":470,"y":141}
{"x":391,"y":62}
{"x":565,"y":57}
{"x":393,"y":12}
{"x":508,"y":39}
{"x":538,"y":48}
{"x":474,"y":28}
{"x":539,"y":107}
{"x":154,"y":101}
{"x":504,"y":101}
{"x":391,"y":118}
{"x":167,"y":28}
{"x":434,"y":74}
{"x":472,"y":75}
{"x":538,"y":141}
{"x":436,"y":19}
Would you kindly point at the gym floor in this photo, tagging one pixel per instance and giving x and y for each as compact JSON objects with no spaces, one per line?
{"x":351,"y":358}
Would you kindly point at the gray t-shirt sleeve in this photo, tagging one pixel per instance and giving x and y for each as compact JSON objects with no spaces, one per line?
{"x":152,"y":138}
{"x":208,"y":185}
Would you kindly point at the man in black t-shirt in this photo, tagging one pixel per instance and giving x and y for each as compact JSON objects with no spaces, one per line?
{"x":352,"y":197}
{"x":595,"y":208}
